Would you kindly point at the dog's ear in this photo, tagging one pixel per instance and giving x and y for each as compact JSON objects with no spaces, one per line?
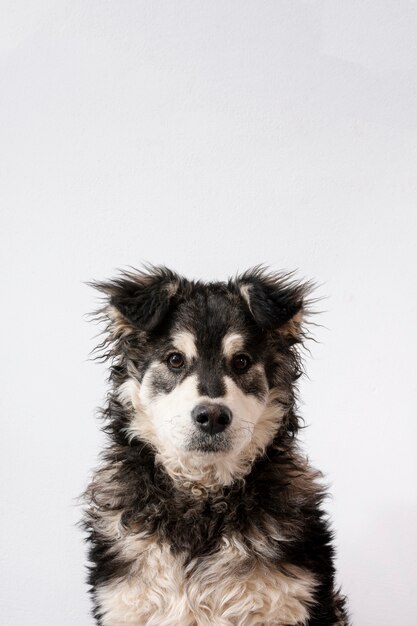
{"x":276,"y":301}
{"x":139,"y":299}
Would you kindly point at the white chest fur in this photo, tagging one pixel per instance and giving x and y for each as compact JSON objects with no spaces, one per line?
{"x":227,"y":588}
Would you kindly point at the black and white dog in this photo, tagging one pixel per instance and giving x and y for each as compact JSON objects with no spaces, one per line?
{"x":204,"y":512}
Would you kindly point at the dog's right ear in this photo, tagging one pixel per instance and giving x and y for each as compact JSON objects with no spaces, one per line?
{"x":138,"y":299}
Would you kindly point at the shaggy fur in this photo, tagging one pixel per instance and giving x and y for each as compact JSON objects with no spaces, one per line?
{"x":204,"y":511}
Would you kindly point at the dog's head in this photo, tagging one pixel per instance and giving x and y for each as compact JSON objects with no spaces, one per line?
{"x":204,"y":371}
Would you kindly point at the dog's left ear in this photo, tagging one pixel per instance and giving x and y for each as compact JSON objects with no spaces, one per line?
{"x":275,"y":300}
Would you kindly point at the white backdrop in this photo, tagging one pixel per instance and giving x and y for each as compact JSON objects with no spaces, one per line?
{"x":209,"y":136}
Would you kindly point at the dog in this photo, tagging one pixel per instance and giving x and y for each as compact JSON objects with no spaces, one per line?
{"x":204,"y":512}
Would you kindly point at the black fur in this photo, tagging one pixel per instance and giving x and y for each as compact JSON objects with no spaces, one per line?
{"x":278,"y":487}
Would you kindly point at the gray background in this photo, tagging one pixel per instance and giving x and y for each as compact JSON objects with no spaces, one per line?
{"x":209,"y":136}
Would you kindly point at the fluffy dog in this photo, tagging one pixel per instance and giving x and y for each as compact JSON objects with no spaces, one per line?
{"x":204,"y":512}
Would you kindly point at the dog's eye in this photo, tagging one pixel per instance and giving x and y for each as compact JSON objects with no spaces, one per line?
{"x":175,"y":360}
{"x":241,"y":363}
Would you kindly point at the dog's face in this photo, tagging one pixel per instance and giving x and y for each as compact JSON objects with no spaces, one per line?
{"x":206,"y":385}
{"x":207,"y":368}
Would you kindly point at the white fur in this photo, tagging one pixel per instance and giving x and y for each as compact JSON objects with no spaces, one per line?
{"x":228,"y":588}
{"x":170,"y":414}
{"x":153,"y":594}
{"x":165,"y":422}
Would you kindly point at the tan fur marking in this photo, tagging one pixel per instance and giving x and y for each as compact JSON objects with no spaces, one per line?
{"x":244,"y":292}
{"x":172,"y":288}
{"x":185,"y":342}
{"x":232,"y":343}
{"x":120,"y":327}
{"x":293,"y":326}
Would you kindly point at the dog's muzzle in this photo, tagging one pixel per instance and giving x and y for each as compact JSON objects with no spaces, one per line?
{"x":211,"y":418}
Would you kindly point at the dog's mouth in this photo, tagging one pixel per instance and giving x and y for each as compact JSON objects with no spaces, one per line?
{"x":200,"y":442}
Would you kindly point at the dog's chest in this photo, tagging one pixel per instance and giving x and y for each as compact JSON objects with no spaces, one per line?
{"x":227,"y":588}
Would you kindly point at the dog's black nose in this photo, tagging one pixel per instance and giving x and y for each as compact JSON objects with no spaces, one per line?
{"x":211,"y":418}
